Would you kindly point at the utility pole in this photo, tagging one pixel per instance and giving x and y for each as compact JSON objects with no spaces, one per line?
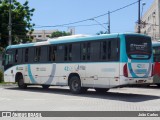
{"x":139,"y":16}
{"x":10,"y":24}
{"x":109,"y":26}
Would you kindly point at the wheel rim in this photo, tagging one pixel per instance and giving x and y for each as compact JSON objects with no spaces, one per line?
{"x":75,"y":85}
{"x":21,"y":82}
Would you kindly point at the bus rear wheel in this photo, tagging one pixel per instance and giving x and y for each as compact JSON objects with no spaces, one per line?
{"x":21,"y":83}
{"x":75,"y":85}
{"x":101,"y":90}
{"x":45,"y":86}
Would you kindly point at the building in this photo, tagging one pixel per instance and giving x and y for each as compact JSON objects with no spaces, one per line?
{"x":41,"y":35}
{"x":150,"y":21}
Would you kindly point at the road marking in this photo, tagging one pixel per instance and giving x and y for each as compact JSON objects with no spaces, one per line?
{"x":74,"y":99}
{"x":4,"y":99}
{"x":35,"y":99}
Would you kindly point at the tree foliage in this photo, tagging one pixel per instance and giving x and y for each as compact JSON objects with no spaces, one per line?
{"x":21,"y":22}
{"x":101,"y":32}
{"x":59,"y":34}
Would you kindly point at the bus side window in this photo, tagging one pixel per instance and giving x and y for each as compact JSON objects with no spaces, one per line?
{"x":109,"y":50}
{"x":16,"y":56}
{"x":103,"y":50}
{"x":60,"y":53}
{"x":114,"y":50}
{"x":70,"y":52}
{"x":65,"y":52}
{"x":156,"y":54}
{"x":52,"y":53}
{"x":37,"y":54}
{"x":76,"y":52}
{"x":95,"y":51}
{"x":88,"y":51}
{"x":9,"y":57}
{"x":26,"y":55}
{"x":85,"y":53}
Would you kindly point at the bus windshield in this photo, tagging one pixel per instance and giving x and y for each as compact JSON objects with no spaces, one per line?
{"x":138,"y":47}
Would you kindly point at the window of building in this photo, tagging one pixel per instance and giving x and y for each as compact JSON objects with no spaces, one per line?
{"x":39,"y":36}
{"x":47,"y":36}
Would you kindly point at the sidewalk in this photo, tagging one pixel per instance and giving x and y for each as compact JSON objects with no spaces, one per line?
{"x":7,"y":84}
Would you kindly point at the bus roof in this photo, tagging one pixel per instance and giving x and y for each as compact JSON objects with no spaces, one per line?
{"x":71,"y":39}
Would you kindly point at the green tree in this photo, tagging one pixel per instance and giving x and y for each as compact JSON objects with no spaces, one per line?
{"x":21,"y":22}
{"x":59,"y":34}
{"x":101,"y":32}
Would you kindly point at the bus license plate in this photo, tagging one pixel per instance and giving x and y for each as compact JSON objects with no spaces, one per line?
{"x":140,"y":81}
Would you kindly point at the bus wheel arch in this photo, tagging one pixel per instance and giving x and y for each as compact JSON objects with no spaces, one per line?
{"x":20,"y":80}
{"x":72,"y":75}
{"x":74,"y":83}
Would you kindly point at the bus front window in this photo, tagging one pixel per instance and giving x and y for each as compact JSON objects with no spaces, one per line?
{"x":138,"y":47}
{"x":8,"y":58}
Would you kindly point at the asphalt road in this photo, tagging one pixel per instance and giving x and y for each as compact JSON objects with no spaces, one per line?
{"x":60,"y":99}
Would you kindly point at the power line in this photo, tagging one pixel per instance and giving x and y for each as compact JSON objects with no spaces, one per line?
{"x":71,"y":23}
{"x":72,"y":26}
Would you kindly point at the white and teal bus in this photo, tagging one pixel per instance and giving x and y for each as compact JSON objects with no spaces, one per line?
{"x":156,"y":60}
{"x":81,"y":62}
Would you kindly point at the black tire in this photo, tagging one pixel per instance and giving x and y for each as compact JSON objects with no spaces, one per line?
{"x":21,"y":83}
{"x":75,"y":85}
{"x":101,"y":90}
{"x":158,"y":84}
{"x":45,"y":86}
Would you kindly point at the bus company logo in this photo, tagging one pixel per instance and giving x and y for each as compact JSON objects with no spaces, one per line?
{"x":21,"y":114}
{"x":79,"y":67}
{"x":76,"y":67}
{"x":6,"y":114}
{"x":140,"y":65}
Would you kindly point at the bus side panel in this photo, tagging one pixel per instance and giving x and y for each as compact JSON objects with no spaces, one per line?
{"x":64,"y":70}
{"x":42,"y":74}
{"x":102,"y":75}
{"x":156,"y":78}
{"x":9,"y":75}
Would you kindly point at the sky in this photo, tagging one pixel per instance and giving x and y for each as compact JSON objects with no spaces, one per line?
{"x":58,"y":12}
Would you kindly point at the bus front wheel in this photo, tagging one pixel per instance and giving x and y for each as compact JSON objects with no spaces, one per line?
{"x":21,"y":83}
{"x":75,"y":85}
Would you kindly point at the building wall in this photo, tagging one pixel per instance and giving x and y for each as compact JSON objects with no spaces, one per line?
{"x":41,"y":35}
{"x":151,"y":21}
